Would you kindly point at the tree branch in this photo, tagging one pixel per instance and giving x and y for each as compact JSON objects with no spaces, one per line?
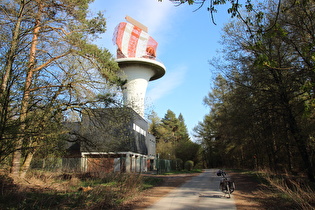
{"x":50,"y":86}
{"x":51,"y":60}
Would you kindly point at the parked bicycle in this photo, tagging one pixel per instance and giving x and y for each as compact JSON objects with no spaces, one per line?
{"x":226,"y":184}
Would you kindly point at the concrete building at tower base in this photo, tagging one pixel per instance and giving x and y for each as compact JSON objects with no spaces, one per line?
{"x":110,"y":140}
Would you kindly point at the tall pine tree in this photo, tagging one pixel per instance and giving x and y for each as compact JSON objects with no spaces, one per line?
{"x":49,"y":66}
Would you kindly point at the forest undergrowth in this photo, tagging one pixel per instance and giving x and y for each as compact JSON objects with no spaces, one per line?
{"x":266,"y":190}
{"x":294,"y":188}
{"x":47,"y":190}
{"x":44,"y":190}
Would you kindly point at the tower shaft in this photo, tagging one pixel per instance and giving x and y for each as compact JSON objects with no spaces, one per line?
{"x":138,"y":72}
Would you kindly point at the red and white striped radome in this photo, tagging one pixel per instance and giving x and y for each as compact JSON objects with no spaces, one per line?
{"x":133,"y":42}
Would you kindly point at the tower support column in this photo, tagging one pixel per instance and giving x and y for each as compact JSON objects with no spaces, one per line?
{"x":138,"y":72}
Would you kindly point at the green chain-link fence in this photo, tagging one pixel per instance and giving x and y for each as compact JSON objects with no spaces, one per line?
{"x":164,"y":166}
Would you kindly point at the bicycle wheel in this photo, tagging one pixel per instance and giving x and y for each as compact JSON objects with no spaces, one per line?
{"x":228,"y":189}
{"x":232,"y":188}
{"x":222,"y":186}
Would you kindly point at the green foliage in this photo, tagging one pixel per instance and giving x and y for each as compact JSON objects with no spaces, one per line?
{"x":187,"y":150}
{"x":50,"y":66}
{"x":189,"y":165}
{"x":172,"y":138}
{"x":258,"y":105}
{"x":190,"y":2}
{"x":233,"y":10}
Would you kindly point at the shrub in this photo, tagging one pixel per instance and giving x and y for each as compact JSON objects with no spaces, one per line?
{"x":177,"y":164}
{"x":189,"y":164}
{"x":199,"y":166}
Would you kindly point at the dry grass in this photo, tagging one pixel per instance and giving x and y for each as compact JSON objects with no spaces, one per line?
{"x":266,"y":190}
{"x":44,"y":190}
{"x":298,"y":190}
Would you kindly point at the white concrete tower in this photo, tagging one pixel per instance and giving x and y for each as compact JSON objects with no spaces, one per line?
{"x":139,"y":71}
{"x":136,"y":58}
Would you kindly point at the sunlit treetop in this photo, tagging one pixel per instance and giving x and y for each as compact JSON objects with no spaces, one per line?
{"x":211,"y":5}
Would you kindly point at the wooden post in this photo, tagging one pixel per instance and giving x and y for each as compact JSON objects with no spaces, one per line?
{"x":136,"y":23}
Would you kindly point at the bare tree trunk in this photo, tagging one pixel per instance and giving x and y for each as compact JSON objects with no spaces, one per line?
{"x":16,"y":161}
{"x":26,"y":164}
{"x":4,"y":92}
{"x":301,"y":140}
{"x":11,"y":53}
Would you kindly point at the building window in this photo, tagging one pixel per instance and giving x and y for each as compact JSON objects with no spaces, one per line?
{"x":139,"y":130}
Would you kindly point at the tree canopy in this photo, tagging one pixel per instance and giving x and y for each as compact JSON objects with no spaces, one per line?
{"x":173,"y":141}
{"x":262,"y":104}
{"x":234,"y":9}
{"x":49,"y":66}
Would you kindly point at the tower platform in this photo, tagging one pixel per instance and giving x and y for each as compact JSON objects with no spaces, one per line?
{"x":138,"y":72}
{"x":158,"y":67}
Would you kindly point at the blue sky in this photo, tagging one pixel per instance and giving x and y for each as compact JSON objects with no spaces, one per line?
{"x":187,"y":40}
